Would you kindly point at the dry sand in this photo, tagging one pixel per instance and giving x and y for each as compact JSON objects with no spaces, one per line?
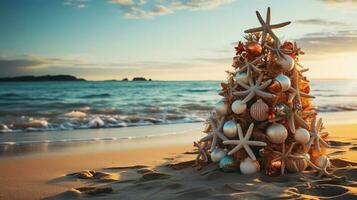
{"x":144,"y":173}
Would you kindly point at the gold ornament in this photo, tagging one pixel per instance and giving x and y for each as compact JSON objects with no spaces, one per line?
{"x":259,"y":110}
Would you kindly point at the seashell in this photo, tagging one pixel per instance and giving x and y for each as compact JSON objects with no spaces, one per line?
{"x":259,"y":110}
{"x":249,"y":166}
{"x":217,"y":154}
{"x":238,"y":107}
{"x":221,"y":107}
{"x":230,"y":129}
{"x":320,"y":161}
{"x":286,"y":63}
{"x":277,"y":133}
{"x":302,"y":136}
{"x":296,"y":165}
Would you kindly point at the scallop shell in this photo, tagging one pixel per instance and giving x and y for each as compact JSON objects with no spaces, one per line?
{"x":300,"y":165}
{"x":259,"y":110}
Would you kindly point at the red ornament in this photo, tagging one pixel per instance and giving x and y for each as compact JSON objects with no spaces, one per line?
{"x":254,"y":48}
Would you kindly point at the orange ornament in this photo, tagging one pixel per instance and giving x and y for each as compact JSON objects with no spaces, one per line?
{"x":275,"y":87}
{"x":254,"y":48}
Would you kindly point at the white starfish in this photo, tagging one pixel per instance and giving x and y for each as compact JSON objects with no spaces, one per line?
{"x":266,"y":27}
{"x":216,"y":132}
{"x":254,"y":89}
{"x":295,"y":92}
{"x":250,"y":66}
{"x":244,"y":142}
{"x":316,"y":136}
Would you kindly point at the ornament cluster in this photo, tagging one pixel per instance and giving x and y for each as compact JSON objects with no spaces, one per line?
{"x":265,"y":120}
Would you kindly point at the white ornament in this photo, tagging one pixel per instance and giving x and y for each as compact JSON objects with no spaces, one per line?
{"x":221,"y":107}
{"x":302,"y":136}
{"x":284,"y":81}
{"x":321,"y":161}
{"x":230,"y":129}
{"x":238,"y":107}
{"x":285,"y":62}
{"x":249,"y":166}
{"x":277,"y":133}
{"x":217,"y":154}
{"x":242,"y":76}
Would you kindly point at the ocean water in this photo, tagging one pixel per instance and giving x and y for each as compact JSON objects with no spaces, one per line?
{"x":47,"y":106}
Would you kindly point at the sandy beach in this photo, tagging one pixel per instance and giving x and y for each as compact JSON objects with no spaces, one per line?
{"x":161,"y":168}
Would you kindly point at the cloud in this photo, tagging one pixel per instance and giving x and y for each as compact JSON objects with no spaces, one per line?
{"x":320,"y":22}
{"x":321,"y":43}
{"x":76,"y":3}
{"x":143,"y":9}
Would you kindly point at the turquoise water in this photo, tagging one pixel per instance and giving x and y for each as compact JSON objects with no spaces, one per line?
{"x":46,"y":106}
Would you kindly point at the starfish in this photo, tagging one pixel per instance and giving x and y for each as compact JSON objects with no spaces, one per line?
{"x":295,"y":92}
{"x":201,"y":152}
{"x":322,"y":170}
{"x":284,"y":156}
{"x":216,"y":132}
{"x":278,"y":50}
{"x":316,"y":136}
{"x":254,"y":89}
{"x":292,"y":117}
{"x":251,"y":66}
{"x":244,"y":142}
{"x":266,"y":27}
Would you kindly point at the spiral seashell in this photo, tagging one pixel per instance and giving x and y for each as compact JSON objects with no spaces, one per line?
{"x":259,"y":110}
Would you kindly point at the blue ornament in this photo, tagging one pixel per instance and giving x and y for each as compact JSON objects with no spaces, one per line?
{"x":227,"y":164}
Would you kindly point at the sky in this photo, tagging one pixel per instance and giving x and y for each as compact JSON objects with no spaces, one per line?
{"x":167,"y":39}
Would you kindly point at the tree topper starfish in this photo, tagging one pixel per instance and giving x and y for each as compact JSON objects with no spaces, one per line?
{"x":254,"y":89}
{"x":201,"y":152}
{"x":266,"y":27}
{"x":216,"y":131}
{"x":284,"y":156}
{"x":244,"y":142}
{"x":316,"y":136}
{"x":295,"y":92}
{"x":251,"y":66}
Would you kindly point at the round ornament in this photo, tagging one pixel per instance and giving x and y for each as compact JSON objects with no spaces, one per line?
{"x":302,"y":136}
{"x":230,"y":129}
{"x":217,"y":154}
{"x":284,"y":81}
{"x":238,"y":107}
{"x":281,"y":109}
{"x":259,"y":110}
{"x":227,"y":164}
{"x":286,"y":63}
{"x":296,"y":165}
{"x":277,"y":133}
{"x":254,"y":48}
{"x":242,"y":76}
{"x":221,"y":107}
{"x":321,"y":160}
{"x":249,"y":166}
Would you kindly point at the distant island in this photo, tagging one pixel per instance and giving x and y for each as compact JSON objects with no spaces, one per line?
{"x":141,"y":79}
{"x":42,"y":78}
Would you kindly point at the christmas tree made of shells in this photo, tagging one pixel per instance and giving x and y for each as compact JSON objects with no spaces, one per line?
{"x":265,"y":120}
